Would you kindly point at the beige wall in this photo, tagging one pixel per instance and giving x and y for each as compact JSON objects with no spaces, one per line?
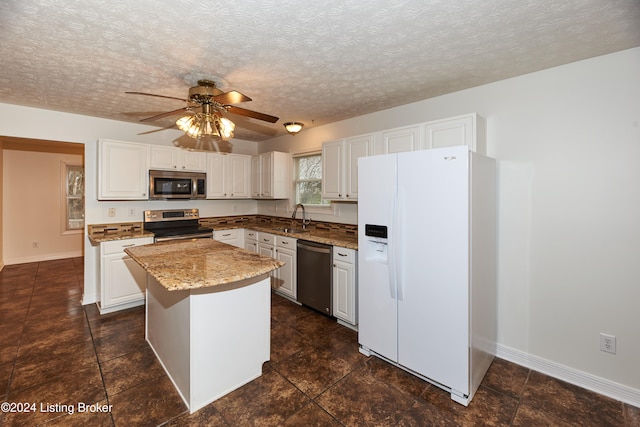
{"x":1,"y":206}
{"x":33,"y":212}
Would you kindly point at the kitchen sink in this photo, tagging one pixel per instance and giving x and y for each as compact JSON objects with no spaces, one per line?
{"x":290,"y":230}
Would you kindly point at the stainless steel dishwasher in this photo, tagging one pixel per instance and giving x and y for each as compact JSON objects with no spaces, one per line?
{"x":315,"y":266}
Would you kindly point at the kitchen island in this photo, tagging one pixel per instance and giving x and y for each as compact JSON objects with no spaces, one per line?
{"x":208,"y":314}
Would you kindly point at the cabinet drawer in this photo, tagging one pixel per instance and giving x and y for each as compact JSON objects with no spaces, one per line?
{"x":266,"y":238}
{"x":286,"y":242}
{"x":118,"y":246}
{"x":231,"y":234}
{"x":344,"y":254}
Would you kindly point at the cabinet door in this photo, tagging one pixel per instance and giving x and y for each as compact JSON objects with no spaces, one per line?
{"x":469,"y":130}
{"x":354,"y":149}
{"x":124,"y":280}
{"x":163,"y":158}
{"x":266,"y":171}
{"x":193,"y":161}
{"x":343,"y":296}
{"x":449,"y":133}
{"x":238,"y":171}
{"x":123,"y":171}
{"x":215,"y":176}
{"x":404,"y":139}
{"x":256,"y":176}
{"x":332,"y":162}
{"x":286,"y":275}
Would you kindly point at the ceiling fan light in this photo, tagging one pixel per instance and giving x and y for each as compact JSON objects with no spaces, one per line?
{"x":184,"y":123}
{"x":293,"y":127}
{"x":226,"y":128}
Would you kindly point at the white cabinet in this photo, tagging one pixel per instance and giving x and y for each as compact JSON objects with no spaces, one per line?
{"x":469,"y":130}
{"x":251,"y":240}
{"x":270,"y":175}
{"x":122,"y":281}
{"x":232,"y":236}
{"x":287,"y":274}
{"x":340,"y":166}
{"x":228,"y":176}
{"x":403,"y":139}
{"x":171,"y":158}
{"x":345,"y":285}
{"x":123,"y":170}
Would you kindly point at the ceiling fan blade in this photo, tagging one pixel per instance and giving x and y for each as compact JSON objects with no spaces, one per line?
{"x":231,"y":97}
{"x":253,"y":114}
{"x":168,"y":113}
{"x":157,"y":96}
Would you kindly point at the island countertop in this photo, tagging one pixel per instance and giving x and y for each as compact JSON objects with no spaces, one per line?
{"x":193,"y":264}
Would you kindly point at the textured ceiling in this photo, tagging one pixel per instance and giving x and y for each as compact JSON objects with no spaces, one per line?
{"x":314,"y":61}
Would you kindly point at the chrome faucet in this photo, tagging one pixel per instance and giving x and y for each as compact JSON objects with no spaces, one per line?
{"x":305,"y":221}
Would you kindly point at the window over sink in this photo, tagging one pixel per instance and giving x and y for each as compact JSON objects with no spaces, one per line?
{"x":308,"y":179}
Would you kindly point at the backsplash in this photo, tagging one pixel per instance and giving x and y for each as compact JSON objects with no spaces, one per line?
{"x":272,"y":222}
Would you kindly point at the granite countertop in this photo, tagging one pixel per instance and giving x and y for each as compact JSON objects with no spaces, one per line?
{"x":99,"y":233}
{"x":107,"y":233}
{"x":193,"y":264}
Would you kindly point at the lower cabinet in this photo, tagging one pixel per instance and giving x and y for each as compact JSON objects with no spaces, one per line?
{"x":123,"y":282}
{"x":345,"y":266}
{"x":233,"y":236}
{"x":251,"y":240}
{"x":287,"y":274}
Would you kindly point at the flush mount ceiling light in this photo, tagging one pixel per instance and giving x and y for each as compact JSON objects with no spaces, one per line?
{"x":293,"y":127}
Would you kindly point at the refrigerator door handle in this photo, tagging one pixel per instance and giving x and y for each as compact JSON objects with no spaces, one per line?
{"x":397,"y":247}
{"x":391,"y":245}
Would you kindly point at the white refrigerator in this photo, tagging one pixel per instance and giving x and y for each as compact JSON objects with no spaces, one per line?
{"x":427,"y":264}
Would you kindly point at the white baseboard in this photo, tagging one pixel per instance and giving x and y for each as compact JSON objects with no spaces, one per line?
{"x":581,"y":379}
{"x":40,"y":258}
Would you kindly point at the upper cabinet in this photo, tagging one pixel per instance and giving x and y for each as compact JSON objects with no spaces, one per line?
{"x":340,"y":166}
{"x":228,"y":176}
{"x":170,"y":158}
{"x":270,"y":175}
{"x":403,"y":139}
{"x":469,"y":130}
{"x":123,"y":170}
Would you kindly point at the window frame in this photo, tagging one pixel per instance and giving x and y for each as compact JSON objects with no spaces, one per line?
{"x":329,"y":207}
{"x":65,"y":198}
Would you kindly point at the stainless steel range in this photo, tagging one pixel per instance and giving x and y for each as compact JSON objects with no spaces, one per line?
{"x":176,"y":224}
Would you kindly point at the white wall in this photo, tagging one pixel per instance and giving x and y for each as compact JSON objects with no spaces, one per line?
{"x":567,"y":141}
{"x":35,"y":209}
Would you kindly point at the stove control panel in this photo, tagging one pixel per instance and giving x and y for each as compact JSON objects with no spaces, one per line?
{"x":171,"y":215}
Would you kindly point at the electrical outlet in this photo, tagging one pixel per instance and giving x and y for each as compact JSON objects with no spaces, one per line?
{"x":112,"y":212}
{"x":132,"y":212}
{"x":608,"y":343}
{"x":35,"y":245}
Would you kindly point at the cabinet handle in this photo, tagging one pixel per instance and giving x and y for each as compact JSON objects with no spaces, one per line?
{"x":129,"y":245}
{"x":225,"y":235}
{"x":285,"y":243}
{"x":341,"y":254}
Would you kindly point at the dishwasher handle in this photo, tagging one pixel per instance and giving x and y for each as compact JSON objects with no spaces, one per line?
{"x":322,"y":250}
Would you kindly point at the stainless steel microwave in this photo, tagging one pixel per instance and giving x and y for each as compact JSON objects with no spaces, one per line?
{"x":165,"y":185}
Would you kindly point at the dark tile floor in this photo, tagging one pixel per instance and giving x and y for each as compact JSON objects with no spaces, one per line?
{"x":56,"y":355}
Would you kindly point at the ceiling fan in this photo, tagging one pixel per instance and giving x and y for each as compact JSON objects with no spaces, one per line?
{"x":204,"y":111}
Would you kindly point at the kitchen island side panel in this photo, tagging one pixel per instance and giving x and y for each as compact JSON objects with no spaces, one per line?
{"x":210,"y":340}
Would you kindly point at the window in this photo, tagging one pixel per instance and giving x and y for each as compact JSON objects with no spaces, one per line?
{"x":308,"y":179}
{"x":74,"y":194}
